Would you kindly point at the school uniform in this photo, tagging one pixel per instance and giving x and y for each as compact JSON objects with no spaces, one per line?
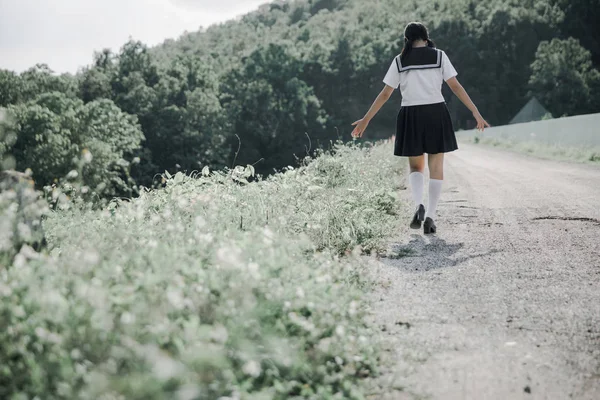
{"x":423,"y":124}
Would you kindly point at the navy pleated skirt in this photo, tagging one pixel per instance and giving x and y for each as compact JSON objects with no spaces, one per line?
{"x":424,"y":129}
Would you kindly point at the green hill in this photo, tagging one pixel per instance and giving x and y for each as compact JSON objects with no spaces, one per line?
{"x":271,"y":86}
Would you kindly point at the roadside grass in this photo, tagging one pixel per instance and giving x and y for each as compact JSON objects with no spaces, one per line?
{"x":209,"y":288}
{"x":583,"y":154}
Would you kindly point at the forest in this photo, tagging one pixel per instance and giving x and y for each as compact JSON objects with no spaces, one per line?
{"x":272,"y":86}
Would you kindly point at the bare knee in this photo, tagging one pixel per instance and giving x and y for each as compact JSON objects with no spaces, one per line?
{"x":436,"y":166}
{"x":417,"y":164}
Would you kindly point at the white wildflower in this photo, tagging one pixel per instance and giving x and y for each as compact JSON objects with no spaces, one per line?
{"x":229,"y":256}
{"x":352,"y":310}
{"x":75,"y":354}
{"x":102,"y":321}
{"x":301,"y":322}
{"x":64,"y":390}
{"x":80,"y":369}
{"x":29,"y":253}
{"x":24,"y":231}
{"x":5,"y":290}
{"x":164,"y":367}
{"x":324,"y":344}
{"x":253,"y":270}
{"x":175,"y":299}
{"x":19,"y":261}
{"x":253,"y":267}
{"x":188,"y":392}
{"x":127,"y":318}
{"x":219,"y":334}
{"x":95,"y":281}
{"x":41,"y":332}
{"x":86,"y":156}
{"x":19,"y":312}
{"x":182,"y":202}
{"x":200,"y":222}
{"x":268,"y":235}
{"x":340,"y":331}
{"x":91,"y":257}
{"x":252,"y":368}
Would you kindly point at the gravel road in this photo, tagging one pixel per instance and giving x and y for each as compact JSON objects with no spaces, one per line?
{"x":504,"y":302}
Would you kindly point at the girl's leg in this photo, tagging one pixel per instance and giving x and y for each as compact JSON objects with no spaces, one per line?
{"x":416,"y":178}
{"x":436,"y":178}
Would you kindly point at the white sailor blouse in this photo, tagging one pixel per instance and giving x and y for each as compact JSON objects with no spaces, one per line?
{"x":420,"y":76}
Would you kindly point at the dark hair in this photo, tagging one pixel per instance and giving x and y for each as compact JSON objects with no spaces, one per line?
{"x":414,"y":31}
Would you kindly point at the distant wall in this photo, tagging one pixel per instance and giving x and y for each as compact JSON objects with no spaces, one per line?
{"x":582,"y":130}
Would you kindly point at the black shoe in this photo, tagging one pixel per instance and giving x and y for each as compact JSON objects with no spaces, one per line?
{"x":418,"y":218}
{"x":429,"y":227}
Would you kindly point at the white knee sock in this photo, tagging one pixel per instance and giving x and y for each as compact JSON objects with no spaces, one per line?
{"x":435,"y":191}
{"x":417,"y":181}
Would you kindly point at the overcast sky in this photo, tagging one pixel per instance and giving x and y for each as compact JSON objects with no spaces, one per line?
{"x":65,"y":33}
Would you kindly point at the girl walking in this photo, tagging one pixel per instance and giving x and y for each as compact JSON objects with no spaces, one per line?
{"x":423,"y":124}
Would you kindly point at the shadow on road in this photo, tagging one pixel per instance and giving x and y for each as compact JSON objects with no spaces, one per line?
{"x":423,"y":254}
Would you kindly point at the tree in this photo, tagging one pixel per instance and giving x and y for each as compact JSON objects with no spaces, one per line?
{"x":47,"y":130}
{"x":492,"y":45}
{"x":112,"y":137}
{"x":581,"y":22}
{"x":41,"y":79}
{"x":563,"y":78}
{"x":55,"y":132}
{"x":184,"y":122}
{"x":95,"y":82}
{"x":271,"y":109}
{"x":10,"y":88}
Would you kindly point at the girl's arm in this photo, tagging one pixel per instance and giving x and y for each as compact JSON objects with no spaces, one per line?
{"x":461,"y":93}
{"x":361,"y":124}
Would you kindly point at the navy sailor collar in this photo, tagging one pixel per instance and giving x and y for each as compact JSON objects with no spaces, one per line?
{"x":420,"y":58}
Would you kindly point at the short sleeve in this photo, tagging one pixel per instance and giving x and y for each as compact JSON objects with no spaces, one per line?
{"x":392,"y":78}
{"x":448,"y":70}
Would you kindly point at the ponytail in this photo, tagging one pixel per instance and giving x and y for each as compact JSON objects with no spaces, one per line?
{"x":408,"y":44}
{"x":430,"y":43}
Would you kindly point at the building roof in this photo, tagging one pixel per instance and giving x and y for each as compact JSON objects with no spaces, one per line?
{"x":532,"y":111}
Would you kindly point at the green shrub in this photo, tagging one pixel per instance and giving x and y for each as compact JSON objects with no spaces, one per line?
{"x":21,"y":212}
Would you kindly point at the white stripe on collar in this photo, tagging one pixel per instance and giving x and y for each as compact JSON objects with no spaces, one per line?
{"x":438,"y":64}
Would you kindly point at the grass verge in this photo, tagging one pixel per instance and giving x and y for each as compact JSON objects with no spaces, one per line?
{"x":207,"y":289}
{"x":583,"y":154}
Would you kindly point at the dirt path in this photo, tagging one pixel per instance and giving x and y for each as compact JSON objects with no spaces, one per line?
{"x":504,"y":302}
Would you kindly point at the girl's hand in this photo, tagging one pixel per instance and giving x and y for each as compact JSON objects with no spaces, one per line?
{"x":361,"y":126}
{"x":481,"y":123}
